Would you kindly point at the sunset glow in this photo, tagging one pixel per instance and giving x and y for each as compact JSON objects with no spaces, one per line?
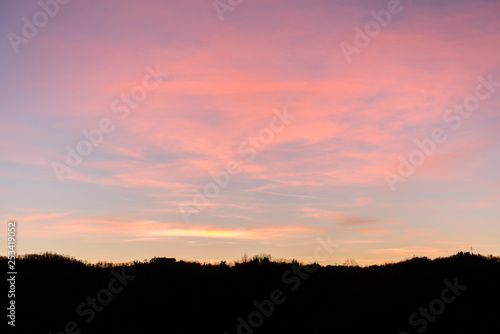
{"x":131,"y":130}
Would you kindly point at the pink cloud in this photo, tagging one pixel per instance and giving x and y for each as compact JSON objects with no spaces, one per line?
{"x":226,"y":78}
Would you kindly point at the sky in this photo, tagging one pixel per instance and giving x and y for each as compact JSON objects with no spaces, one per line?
{"x":204,"y":130}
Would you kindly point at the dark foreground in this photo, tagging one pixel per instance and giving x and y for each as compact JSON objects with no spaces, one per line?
{"x":55,"y":294}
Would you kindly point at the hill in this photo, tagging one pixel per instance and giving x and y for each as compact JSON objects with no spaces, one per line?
{"x":59,"y":294}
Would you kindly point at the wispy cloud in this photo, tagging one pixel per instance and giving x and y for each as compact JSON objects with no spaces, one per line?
{"x":324,"y":173}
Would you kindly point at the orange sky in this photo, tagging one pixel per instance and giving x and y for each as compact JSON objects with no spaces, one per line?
{"x":252,"y":133}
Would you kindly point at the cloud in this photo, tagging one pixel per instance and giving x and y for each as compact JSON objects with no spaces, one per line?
{"x":354,"y":220}
{"x":323,"y":171}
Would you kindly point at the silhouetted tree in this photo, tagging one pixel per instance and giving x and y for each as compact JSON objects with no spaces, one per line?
{"x":351,"y":263}
{"x":188,"y":297}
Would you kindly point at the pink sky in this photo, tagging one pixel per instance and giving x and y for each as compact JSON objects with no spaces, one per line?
{"x":322,"y":175}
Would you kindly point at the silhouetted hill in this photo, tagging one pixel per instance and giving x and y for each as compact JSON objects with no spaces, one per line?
{"x":59,"y":294}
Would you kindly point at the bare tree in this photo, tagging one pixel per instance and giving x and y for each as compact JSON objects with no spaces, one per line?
{"x":351,"y":263}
